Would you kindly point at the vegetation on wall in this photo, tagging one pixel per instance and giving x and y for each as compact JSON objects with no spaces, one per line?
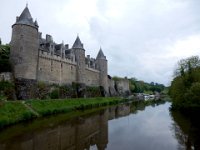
{"x":185,"y":87}
{"x":4,"y":58}
{"x":6,"y":90}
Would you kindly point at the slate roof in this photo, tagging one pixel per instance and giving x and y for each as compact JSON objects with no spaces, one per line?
{"x":77,"y":43}
{"x":100,"y":55}
{"x":26,"y":18}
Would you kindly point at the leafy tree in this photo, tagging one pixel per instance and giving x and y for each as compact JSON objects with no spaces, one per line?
{"x":185,"y":87}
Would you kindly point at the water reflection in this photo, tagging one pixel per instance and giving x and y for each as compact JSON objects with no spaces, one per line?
{"x":80,"y":133}
{"x":126,"y":126}
{"x":75,"y":135}
{"x":145,"y":128}
{"x":186,"y":130}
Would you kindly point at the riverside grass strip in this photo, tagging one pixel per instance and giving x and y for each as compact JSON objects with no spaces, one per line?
{"x":48,"y":107}
{"x":12,"y":112}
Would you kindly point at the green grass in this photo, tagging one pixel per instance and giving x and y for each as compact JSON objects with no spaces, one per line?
{"x":14,"y":112}
{"x":47,"y":107}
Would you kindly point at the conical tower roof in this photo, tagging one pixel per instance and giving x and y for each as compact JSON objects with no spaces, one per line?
{"x":78,"y":43}
{"x":100,"y":55}
{"x":26,"y":18}
{"x":25,"y":15}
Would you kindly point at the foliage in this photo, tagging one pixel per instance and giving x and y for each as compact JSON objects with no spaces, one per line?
{"x":115,"y":78}
{"x":185,"y":87}
{"x":93,"y":91}
{"x":42,"y":90}
{"x":54,"y":94}
{"x":187,"y":65}
{"x":4,"y":58}
{"x":6,"y":89}
{"x":143,"y":87}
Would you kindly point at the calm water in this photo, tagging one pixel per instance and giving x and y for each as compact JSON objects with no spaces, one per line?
{"x":123,"y":127}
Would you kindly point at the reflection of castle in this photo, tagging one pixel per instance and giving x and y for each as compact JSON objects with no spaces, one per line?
{"x":77,"y":135}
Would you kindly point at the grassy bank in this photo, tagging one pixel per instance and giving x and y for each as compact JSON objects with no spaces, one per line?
{"x":12,"y":112}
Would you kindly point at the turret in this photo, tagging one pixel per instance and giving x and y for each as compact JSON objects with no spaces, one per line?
{"x":102,"y":66}
{"x":80,"y":60}
{"x":24,"y":46}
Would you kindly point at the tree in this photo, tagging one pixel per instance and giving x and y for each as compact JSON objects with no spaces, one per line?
{"x":188,"y":64}
{"x":185,"y":87}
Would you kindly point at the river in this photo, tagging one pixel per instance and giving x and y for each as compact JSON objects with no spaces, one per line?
{"x":123,"y":127}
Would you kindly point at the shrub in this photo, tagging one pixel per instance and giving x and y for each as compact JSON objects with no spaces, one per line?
{"x":7,"y":89}
{"x":54,"y":94}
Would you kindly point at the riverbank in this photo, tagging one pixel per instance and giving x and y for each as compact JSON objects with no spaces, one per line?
{"x":12,"y":112}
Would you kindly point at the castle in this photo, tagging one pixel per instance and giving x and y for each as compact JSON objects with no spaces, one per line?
{"x":41,"y":59}
{"x":35,"y":58}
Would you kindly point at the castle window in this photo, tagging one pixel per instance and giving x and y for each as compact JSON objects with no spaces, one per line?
{"x":61,"y":65}
{"x":71,"y":67}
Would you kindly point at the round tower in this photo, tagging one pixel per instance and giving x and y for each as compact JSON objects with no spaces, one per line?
{"x":80,"y":59}
{"x":102,"y":66}
{"x":24,"y":46}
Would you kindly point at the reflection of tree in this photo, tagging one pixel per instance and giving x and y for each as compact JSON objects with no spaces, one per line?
{"x":186,"y":131}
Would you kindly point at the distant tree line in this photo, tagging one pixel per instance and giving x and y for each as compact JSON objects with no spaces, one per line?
{"x":144,"y":87}
{"x":185,"y":87}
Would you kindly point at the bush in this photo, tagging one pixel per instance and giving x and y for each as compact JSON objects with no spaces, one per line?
{"x":7,"y":89}
{"x":42,"y":90}
{"x":93,"y":91}
{"x":54,"y":94}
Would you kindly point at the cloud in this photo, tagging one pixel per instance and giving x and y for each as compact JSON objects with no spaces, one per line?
{"x":141,"y":38}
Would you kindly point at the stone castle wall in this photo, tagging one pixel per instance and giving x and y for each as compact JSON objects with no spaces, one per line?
{"x":92,"y":77}
{"x":54,"y":69}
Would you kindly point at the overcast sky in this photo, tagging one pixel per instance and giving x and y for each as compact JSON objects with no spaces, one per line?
{"x":140,"y":38}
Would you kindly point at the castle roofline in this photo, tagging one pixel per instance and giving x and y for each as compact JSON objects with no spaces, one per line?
{"x":78,"y":43}
{"x":26,"y":19}
{"x":101,"y":55}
